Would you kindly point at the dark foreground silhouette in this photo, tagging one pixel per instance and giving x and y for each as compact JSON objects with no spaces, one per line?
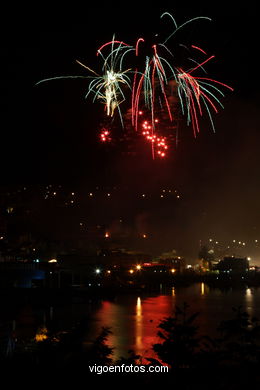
{"x":230,"y":361}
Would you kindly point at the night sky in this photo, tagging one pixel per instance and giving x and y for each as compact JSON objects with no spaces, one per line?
{"x":49,"y":132}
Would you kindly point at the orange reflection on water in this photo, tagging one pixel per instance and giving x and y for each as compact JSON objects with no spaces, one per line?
{"x":113,"y":315}
{"x":135,"y":325}
{"x":139,"y":324}
{"x":154,"y":310}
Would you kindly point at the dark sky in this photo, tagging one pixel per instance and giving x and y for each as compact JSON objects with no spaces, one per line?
{"x":49,"y":132}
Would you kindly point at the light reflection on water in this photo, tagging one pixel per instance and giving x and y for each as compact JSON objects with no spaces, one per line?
{"x":249,"y":298}
{"x":134,"y":318}
{"x":139,"y":326}
{"x":134,"y":323}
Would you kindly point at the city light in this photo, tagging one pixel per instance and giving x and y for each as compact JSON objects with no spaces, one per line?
{"x":41,"y":335}
{"x":97,"y":270}
{"x":51,"y":261}
{"x":138,"y":267}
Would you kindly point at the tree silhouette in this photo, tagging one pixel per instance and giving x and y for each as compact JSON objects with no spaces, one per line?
{"x":180,"y":340}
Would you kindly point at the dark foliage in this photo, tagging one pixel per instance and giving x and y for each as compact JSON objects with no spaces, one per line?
{"x":231,"y":361}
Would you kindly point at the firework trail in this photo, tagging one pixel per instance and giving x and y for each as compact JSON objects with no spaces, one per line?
{"x":195,"y":94}
{"x":106,"y":87}
{"x":154,"y":75}
{"x":156,"y":88}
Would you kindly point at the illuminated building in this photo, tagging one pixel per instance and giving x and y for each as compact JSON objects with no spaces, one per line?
{"x":176,"y":263}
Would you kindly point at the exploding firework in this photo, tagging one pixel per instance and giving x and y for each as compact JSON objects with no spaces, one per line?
{"x":193,"y":92}
{"x":107,"y":87}
{"x":105,"y":135}
{"x":198,"y":92}
{"x":157,"y":87}
{"x":154,"y":77}
{"x":158,"y":143}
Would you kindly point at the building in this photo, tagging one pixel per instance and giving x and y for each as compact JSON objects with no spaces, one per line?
{"x":233,"y":265}
{"x":174,"y":262}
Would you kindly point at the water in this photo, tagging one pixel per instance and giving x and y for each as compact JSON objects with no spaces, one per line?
{"x":134,"y":318}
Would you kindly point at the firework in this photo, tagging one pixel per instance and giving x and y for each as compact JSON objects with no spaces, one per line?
{"x":105,"y":135}
{"x":157,"y":87}
{"x":158,"y":71}
{"x":198,"y":92}
{"x":158,"y":143}
{"x":106,"y":87}
{"x":195,"y":94}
